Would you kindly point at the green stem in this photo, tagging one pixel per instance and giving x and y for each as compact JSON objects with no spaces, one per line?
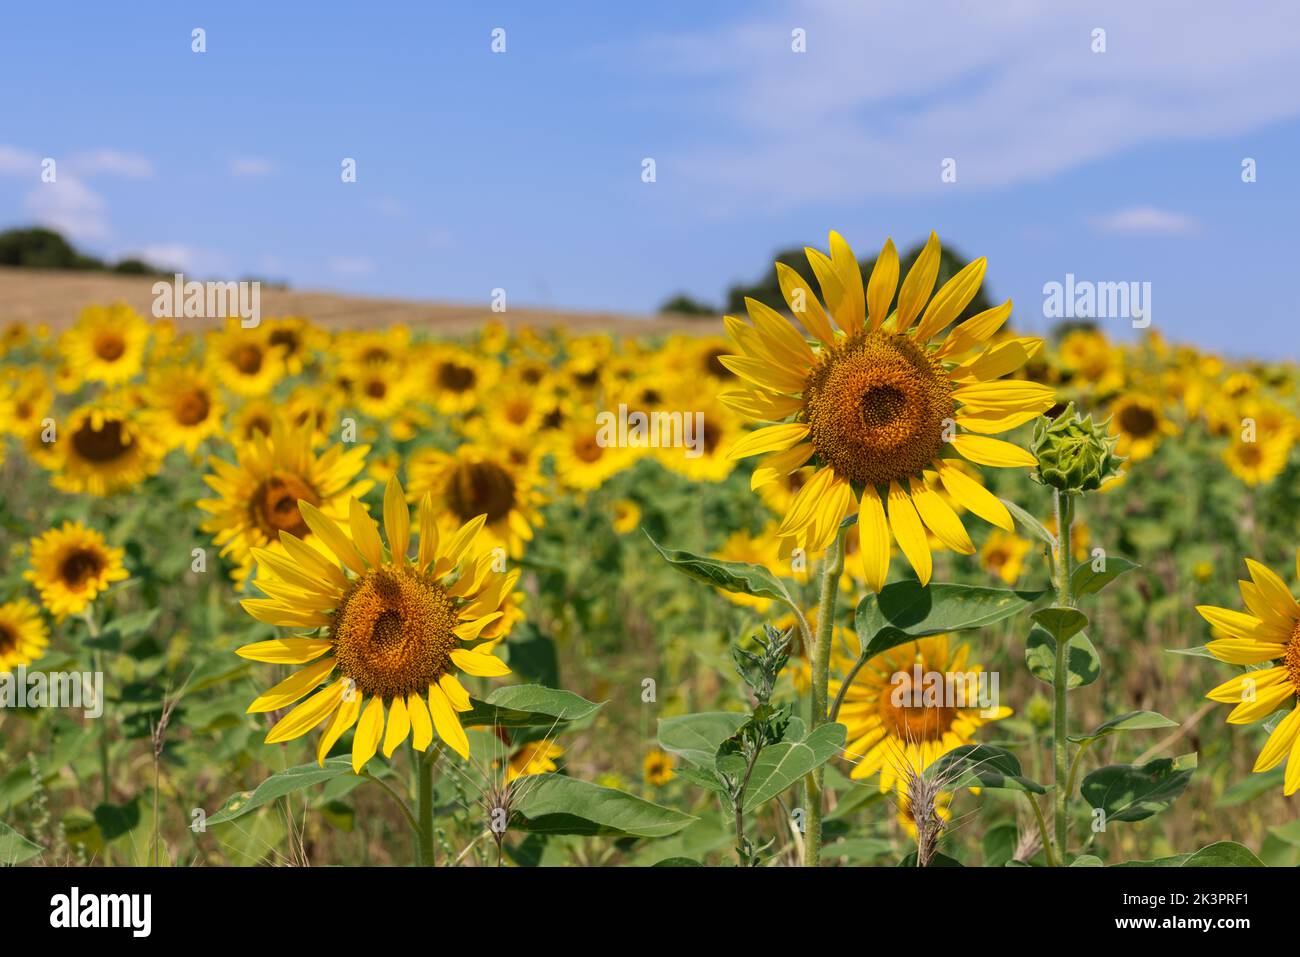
{"x":1060,"y":691}
{"x":97,"y":666}
{"x":424,"y":808}
{"x":821,"y":660}
{"x":1042,"y":828}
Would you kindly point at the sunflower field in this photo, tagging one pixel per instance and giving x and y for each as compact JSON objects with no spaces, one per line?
{"x":865,"y":577}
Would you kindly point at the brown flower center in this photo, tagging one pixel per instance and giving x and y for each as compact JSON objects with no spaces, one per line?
{"x":247,"y":359}
{"x":586,"y":448}
{"x":193,"y":407}
{"x":104,"y":444}
{"x":1292,"y":659}
{"x":455,"y":378}
{"x":393,"y":633}
{"x":876,"y":406}
{"x":274,"y":506}
{"x":480,"y":488}
{"x":80,"y":566}
{"x":109,"y":346}
{"x":1137,"y":420}
{"x":913,"y":719}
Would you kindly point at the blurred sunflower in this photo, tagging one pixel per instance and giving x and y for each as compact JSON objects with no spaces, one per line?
{"x":582,"y":464}
{"x":380,"y":390}
{"x":1141,"y":425}
{"x":258,"y":494}
{"x":1256,"y":463}
{"x":477,"y":480}
{"x":184,"y":407}
{"x":1268,"y":636}
{"x":456,"y":379}
{"x":72,"y":565}
{"x":243,"y":360}
{"x":1004,"y":554}
{"x":393,"y":631}
{"x":626,"y":517}
{"x":103,"y":449}
{"x":878,"y":405}
{"x":107,"y":344}
{"x":23,"y":635}
{"x":297,"y":341}
{"x":657,"y":768}
{"x":893,"y":725}
{"x":714,"y":429}
{"x":536,"y":757}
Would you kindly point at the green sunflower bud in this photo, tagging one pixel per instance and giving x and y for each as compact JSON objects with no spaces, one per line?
{"x":1074,"y":453}
{"x":1039,"y":711}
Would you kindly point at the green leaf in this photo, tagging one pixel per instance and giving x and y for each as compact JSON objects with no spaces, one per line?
{"x":280,"y":784}
{"x":1085,"y":580}
{"x":1200,"y":651}
{"x":703,"y":778}
{"x":1086,"y":860}
{"x":739,"y":577}
{"x":1125,"y":792}
{"x":678,"y":862}
{"x":1030,"y":524}
{"x":696,"y":737}
{"x":1083,"y":664}
{"x":1252,"y":786}
{"x":14,"y":848}
{"x":1223,"y":854}
{"x":1133,"y":721}
{"x":527,"y":706}
{"x":558,"y":804}
{"x":905,"y":610}
{"x":781,"y":765}
{"x":114,"y":820}
{"x":1061,"y":623}
{"x":982,"y":766}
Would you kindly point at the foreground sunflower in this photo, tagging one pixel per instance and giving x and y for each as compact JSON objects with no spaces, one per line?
{"x":70,"y":566}
{"x":1269,"y":635}
{"x":894,"y":725}
{"x":23,"y":635}
{"x":879,"y":406}
{"x":393,"y":630}
{"x":103,"y":448}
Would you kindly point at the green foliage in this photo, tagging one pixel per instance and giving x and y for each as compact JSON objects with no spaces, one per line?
{"x":1124,"y":792}
{"x":904,"y":610}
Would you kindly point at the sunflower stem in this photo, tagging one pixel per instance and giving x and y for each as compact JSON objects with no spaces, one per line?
{"x":1060,"y":691}
{"x":424,"y":808}
{"x":821,"y":658}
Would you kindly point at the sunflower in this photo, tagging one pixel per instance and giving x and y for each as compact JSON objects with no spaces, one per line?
{"x":297,"y":340}
{"x":626,"y":516}
{"x":712,"y":428}
{"x":380,"y":390}
{"x":1256,"y":463}
{"x":1141,"y":425}
{"x":582,"y":463}
{"x":393,"y":630}
{"x":455,"y":378}
{"x":103,"y":448}
{"x":537,"y":757}
{"x":244,"y":360}
{"x":70,"y":566}
{"x":479,"y":480}
{"x":1004,"y":554}
{"x":23,"y":635}
{"x":1268,"y":636}
{"x":880,"y":408}
{"x":184,"y":407}
{"x":657,"y":768}
{"x":107,"y":344}
{"x":893,"y":724}
{"x":258,"y":494}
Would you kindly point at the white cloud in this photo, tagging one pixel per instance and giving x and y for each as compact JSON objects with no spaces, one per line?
{"x":69,"y":206}
{"x":111,"y":162}
{"x":18,"y":162}
{"x":1011,"y":91}
{"x":1146,"y":219}
{"x":251,"y":167}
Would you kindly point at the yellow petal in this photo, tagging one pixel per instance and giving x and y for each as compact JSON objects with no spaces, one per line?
{"x":954,"y":296}
{"x":997,"y":360}
{"x":428,"y":532}
{"x":1239,"y":687}
{"x":765,"y":375}
{"x":292,"y":688}
{"x":761,"y":406}
{"x":828,"y":279}
{"x":275,"y":612}
{"x":1279,"y":743}
{"x":907,"y":529}
{"x":883,"y":284}
{"x":286,"y":651}
{"x":308,"y":714}
{"x":477,"y":664}
{"x":312,"y":561}
{"x":1267,"y":700}
{"x":344,"y":718}
{"x":833,"y":507}
{"x":460,"y":544}
{"x":995,"y":452}
{"x":399,"y":726}
{"x":773,"y":438}
{"x":873,"y":539}
{"x":455,"y":692}
{"x":804,"y":305}
{"x":421,"y":723}
{"x":446,"y":723}
{"x":1274,"y":590}
{"x":365,"y":534}
{"x":1235,"y":623}
{"x":803,"y":508}
{"x":397,"y":521}
{"x":369,"y":730}
{"x":991,"y":423}
{"x":469,"y":630}
{"x":918,"y":285}
{"x":973,"y":496}
{"x":288,"y":570}
{"x":1245,"y":651}
{"x":975,"y":331}
{"x":853,"y":310}
{"x":940,"y":518}
{"x":1291,"y":783}
{"x":780,"y":464}
{"x":329,"y":533}
{"x":782,"y":340}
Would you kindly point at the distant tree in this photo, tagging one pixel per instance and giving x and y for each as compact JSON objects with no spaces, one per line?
{"x":38,"y":248}
{"x":768,"y":291}
{"x":684,"y":305}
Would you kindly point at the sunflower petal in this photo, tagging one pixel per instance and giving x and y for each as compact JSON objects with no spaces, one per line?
{"x":308,"y":714}
{"x":446,"y":723}
{"x":365,"y":534}
{"x":873,"y":539}
{"x":428,"y":532}
{"x":804,"y":305}
{"x":344,"y":718}
{"x":323,"y":526}
{"x":954,"y":296}
{"x":292,"y":688}
{"x":882,"y":285}
{"x":1280,"y":742}
{"x":369,"y":730}
{"x":939,"y":517}
{"x":772,"y":438}
{"x":1274,"y":590}
{"x":908,"y":531}
{"x":286,"y":651}
{"x":765,"y":375}
{"x":853,"y":308}
{"x":975,"y":331}
{"x":984,"y":450}
{"x":918,"y":285}
{"x":397,"y":521}
{"x":478,"y":664}
{"x":399,"y":726}
{"x":973,"y":496}
{"x":455,"y":692}
{"x":421,"y":723}
{"x":780,"y":464}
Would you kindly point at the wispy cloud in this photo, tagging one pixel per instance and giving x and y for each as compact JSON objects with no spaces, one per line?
{"x":251,"y":167}
{"x":111,"y":162}
{"x":1146,"y":219}
{"x":71,"y":207}
{"x":1012,"y":92}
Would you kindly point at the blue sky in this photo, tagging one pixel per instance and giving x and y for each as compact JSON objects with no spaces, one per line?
{"x":522,"y":170}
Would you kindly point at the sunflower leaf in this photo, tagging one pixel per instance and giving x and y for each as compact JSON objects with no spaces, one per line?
{"x":1223,"y":854}
{"x":781,"y":765}
{"x":280,"y":784}
{"x":14,"y":848}
{"x":981,"y":766}
{"x":528,"y":706}
{"x":1125,"y":792}
{"x":697,"y":737}
{"x":559,"y":804}
{"x":738,"y":577}
{"x":906,"y":610}
{"x":1083,"y":664}
{"x":1133,"y":721}
{"x":1087,"y":580}
{"x":1030,"y":524}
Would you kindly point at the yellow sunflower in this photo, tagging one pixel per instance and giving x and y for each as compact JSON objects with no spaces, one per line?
{"x":480,"y":480}
{"x":455,"y":378}
{"x":380,"y":390}
{"x":1140,"y":424}
{"x":184,"y":407}
{"x":878,"y":406}
{"x":582,"y":463}
{"x":103,"y":448}
{"x":894,"y":723}
{"x":1004,"y":554}
{"x":107,"y":344}
{"x":1268,"y":636}
{"x":297,"y":339}
{"x":243,"y":360}
{"x":626,"y":517}
{"x":70,"y":566}
{"x":258,"y":494}
{"x":390,"y":632}
{"x":23,"y":635}
{"x":537,"y":757}
{"x":657,"y":768}
{"x":1258,"y":462}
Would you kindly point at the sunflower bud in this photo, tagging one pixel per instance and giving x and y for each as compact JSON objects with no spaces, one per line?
{"x":1039,"y":711}
{"x":1074,"y":454}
